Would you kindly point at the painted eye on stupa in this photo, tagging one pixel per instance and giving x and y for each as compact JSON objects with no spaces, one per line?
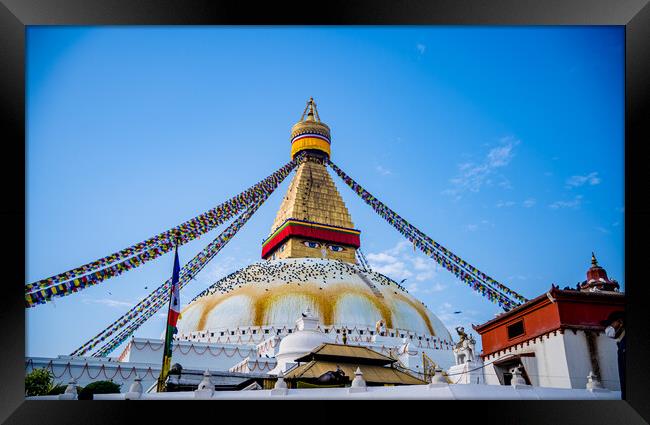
{"x":336,"y":248}
{"x":311,"y":244}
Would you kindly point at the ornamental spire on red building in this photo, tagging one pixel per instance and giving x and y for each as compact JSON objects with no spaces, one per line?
{"x":597,"y":279}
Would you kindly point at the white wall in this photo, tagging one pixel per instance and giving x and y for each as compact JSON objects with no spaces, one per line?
{"x":580,"y":364}
{"x":547,"y":369}
{"x":87,"y":370}
{"x":191,"y":355}
{"x":563,"y":361}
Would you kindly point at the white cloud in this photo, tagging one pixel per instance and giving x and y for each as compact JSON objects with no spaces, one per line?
{"x":506,"y":204}
{"x":603,"y":230}
{"x":421,"y":48}
{"x":381,"y":257}
{"x":576,"y":181}
{"x":412,"y":287}
{"x":500,"y":156}
{"x":218,"y":269}
{"x":109,"y":302}
{"x":470,"y":227}
{"x":530,"y":202}
{"x":400,"y":262}
{"x":436,"y":287}
{"x":472,"y":176}
{"x":396,"y":270}
{"x":574,"y":203}
{"x":383,"y":171}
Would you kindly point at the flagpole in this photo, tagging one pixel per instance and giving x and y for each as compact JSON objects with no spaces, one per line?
{"x":166,"y":360}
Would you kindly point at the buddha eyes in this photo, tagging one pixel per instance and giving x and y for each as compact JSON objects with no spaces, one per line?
{"x":313,"y":244}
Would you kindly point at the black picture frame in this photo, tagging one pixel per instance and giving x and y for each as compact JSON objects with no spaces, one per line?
{"x":15,"y":15}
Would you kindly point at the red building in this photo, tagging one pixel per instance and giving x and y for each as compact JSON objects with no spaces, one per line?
{"x":557,"y":338}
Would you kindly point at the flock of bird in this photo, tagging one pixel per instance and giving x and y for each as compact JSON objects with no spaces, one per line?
{"x":295,"y":271}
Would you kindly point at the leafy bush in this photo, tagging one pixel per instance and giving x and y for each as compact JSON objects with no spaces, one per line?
{"x":38,"y":382}
{"x":98,"y":387}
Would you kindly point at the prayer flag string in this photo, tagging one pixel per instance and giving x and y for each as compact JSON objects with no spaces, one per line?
{"x":148,"y":309}
{"x":159,"y":296}
{"x":100,"y":270}
{"x":479,"y":281}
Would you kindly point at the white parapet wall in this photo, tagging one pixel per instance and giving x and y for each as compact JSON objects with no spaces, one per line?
{"x":190,"y":354}
{"x":410,"y":392}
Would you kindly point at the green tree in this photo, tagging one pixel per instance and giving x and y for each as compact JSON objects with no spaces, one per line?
{"x":38,"y":382}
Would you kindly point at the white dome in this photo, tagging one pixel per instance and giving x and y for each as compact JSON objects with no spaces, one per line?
{"x":276,"y":292}
{"x":301,"y":343}
{"x":296,"y":345}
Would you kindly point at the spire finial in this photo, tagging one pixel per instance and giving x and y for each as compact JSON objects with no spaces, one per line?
{"x":312,"y":113}
{"x":593,"y":259}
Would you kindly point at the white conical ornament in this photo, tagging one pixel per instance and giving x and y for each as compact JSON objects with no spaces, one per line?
{"x":280,"y":386}
{"x":70,"y":392}
{"x":593,"y":383}
{"x":206,"y":383}
{"x":136,"y":386}
{"x":135,"y":391}
{"x":205,"y":388}
{"x":517,"y":378}
{"x":358,"y":380}
{"x":438,"y":378}
{"x":71,"y":388}
{"x":358,"y":383}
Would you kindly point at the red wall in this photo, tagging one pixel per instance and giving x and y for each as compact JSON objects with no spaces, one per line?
{"x":538,"y":320}
{"x":581,"y":313}
{"x":569,"y":310}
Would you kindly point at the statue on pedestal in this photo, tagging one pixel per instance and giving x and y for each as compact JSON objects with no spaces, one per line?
{"x":380,"y":328}
{"x":464,"y":348}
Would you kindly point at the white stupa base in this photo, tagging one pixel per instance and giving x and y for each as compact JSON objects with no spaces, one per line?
{"x":467,"y":373}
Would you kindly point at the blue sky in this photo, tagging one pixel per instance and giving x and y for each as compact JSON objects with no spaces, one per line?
{"x":505,"y":144}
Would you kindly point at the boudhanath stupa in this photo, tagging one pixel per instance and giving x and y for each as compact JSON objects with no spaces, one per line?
{"x":310,"y":263}
{"x":311,"y":293}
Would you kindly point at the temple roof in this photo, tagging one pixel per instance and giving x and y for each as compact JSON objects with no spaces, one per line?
{"x":343,"y":352}
{"x":371,"y":373}
{"x":329,"y":357}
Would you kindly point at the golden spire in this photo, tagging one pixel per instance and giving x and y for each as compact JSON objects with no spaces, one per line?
{"x":310,"y":133}
{"x":593,"y":259}
{"x":311,"y":111}
{"x":312,"y":221}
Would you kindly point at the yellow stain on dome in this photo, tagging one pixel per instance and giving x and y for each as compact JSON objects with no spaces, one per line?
{"x":319,"y":298}
{"x":421,"y":310}
{"x":377,"y":302}
{"x":324,"y":300}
